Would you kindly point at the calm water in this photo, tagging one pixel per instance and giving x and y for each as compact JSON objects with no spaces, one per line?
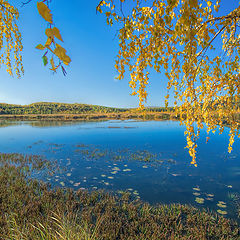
{"x":147,"y":159}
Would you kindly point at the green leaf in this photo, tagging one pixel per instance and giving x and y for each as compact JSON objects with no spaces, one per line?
{"x":45,"y":60}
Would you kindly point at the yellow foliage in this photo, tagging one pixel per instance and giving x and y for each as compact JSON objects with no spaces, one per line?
{"x":11,"y":45}
{"x":53,"y":34}
{"x":10,"y":39}
{"x":49,"y":32}
{"x":44,"y":11}
{"x":57,"y":33}
{"x":40,"y":47}
{"x":61,"y":53}
{"x":205,"y":86}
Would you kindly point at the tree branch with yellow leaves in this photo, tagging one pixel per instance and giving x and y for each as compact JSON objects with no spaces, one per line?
{"x":170,"y":36}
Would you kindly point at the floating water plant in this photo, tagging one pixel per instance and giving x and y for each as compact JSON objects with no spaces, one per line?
{"x":117,"y":217}
{"x":196,"y":194}
{"x":210,"y":195}
{"x":116,"y":169}
{"x":62,"y":183}
{"x":176,"y":174}
{"x":222,"y":212}
{"x":221,"y":205}
{"x":209,"y":199}
{"x":199,"y":200}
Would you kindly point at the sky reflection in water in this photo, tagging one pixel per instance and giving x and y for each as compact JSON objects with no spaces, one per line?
{"x":146,"y":158}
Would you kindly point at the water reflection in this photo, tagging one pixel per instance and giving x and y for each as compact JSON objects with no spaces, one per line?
{"x":147,"y":159}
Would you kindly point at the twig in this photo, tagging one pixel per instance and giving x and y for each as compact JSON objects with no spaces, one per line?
{"x":25,"y":3}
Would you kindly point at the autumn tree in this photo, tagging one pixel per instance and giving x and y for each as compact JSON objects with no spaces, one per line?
{"x":197,"y":49}
{"x":11,"y":40}
{"x":176,"y":37}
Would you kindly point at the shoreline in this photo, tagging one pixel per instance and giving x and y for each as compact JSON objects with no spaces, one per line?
{"x":92,"y":116}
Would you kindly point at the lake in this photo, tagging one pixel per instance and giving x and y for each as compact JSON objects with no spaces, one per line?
{"x":145,"y":158}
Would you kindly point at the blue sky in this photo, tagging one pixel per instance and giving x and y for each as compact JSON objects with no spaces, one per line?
{"x":91,"y":45}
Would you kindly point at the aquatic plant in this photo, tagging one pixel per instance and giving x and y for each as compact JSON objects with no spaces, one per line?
{"x":30,"y":209}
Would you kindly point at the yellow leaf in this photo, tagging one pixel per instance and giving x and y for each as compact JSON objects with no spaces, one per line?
{"x":193,"y":3}
{"x":54,"y":68}
{"x":61,"y":53}
{"x":57,"y":33}
{"x":44,"y":11}
{"x":209,"y":3}
{"x":48,"y":42}
{"x":40,"y":47}
{"x":52,"y":62}
{"x":49,"y":32}
{"x":66,"y":60}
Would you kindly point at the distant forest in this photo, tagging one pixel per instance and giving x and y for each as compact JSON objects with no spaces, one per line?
{"x":65,"y":108}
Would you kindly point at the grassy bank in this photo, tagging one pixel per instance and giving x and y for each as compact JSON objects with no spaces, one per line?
{"x":82,"y":112}
{"x":32,"y":210}
{"x":91,"y":116}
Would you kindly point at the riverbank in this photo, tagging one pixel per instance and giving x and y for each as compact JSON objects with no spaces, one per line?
{"x":31,"y":209}
{"x":92,"y":116}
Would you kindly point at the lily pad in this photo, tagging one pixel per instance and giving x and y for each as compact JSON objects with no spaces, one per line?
{"x":196,"y":194}
{"x":222,"y":212}
{"x":199,"y":200}
{"x":116,"y":169}
{"x":221,"y":205}
{"x":210,"y":195}
{"x":209,"y":199}
{"x":62,"y":183}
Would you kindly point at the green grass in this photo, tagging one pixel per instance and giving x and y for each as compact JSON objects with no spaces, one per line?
{"x":30,"y":209}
